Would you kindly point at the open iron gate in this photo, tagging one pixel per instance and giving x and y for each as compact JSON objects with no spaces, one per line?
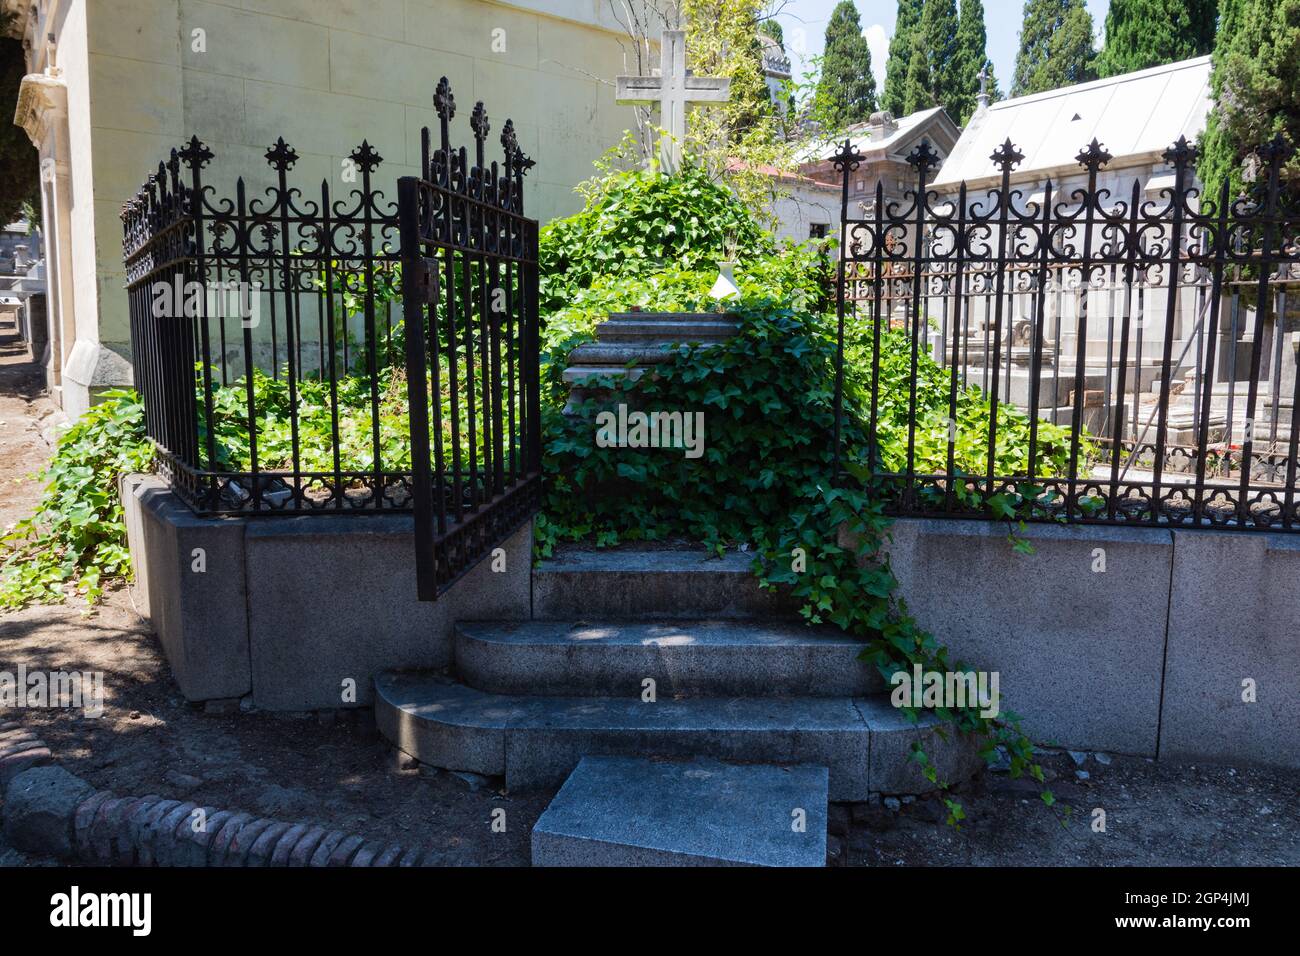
{"x":469,"y":265}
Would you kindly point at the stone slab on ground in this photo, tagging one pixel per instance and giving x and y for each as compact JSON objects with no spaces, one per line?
{"x":629,"y":811}
{"x":692,"y":658}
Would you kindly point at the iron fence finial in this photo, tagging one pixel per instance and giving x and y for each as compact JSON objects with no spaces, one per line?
{"x":847,"y":158}
{"x":281,"y":156}
{"x":924,"y":158}
{"x":366,"y":158}
{"x":1181,"y":153}
{"x":443,"y":100}
{"x":195,"y":154}
{"x":1093,"y":156}
{"x":1007,"y":157}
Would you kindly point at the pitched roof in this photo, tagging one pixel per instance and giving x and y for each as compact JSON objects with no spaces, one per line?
{"x":1136,"y":116}
{"x":870,"y":142}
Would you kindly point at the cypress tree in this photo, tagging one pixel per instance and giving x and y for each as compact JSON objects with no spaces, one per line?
{"x":1055,"y":47}
{"x":917,"y":93}
{"x":847,"y":87}
{"x":1256,"y":88}
{"x":972,"y":57}
{"x":19,"y":161}
{"x":907,"y":22}
{"x":1146,"y":33}
{"x":939,"y":33}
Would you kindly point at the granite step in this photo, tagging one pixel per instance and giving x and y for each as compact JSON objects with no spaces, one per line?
{"x":651,"y":584}
{"x":536,"y":741}
{"x":631,"y":811}
{"x":718,"y":658}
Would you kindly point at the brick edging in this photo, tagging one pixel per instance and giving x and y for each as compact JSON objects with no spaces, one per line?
{"x":110,"y":830}
{"x":20,"y":749}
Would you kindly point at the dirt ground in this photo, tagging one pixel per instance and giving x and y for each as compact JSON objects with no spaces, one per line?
{"x":338,"y":772}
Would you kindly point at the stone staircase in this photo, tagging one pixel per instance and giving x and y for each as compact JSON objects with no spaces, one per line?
{"x":737,"y":681}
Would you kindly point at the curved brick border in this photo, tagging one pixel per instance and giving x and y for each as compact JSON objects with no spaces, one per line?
{"x":19,"y":750}
{"x":109,"y":830}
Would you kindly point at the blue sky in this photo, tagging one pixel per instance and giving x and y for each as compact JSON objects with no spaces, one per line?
{"x":804,"y":23}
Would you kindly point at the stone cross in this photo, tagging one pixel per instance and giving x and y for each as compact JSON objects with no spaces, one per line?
{"x":674,"y":88}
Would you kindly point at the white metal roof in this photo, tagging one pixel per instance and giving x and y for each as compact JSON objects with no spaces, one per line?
{"x":1136,"y":116}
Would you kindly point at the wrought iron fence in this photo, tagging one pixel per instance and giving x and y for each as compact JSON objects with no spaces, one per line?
{"x":301,"y":351}
{"x":1077,"y":355}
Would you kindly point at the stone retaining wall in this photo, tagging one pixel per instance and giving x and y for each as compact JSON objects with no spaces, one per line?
{"x":1156,"y":655}
{"x":295,"y":611}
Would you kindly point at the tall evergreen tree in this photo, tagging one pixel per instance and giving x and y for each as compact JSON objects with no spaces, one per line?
{"x":939,"y":33}
{"x":972,"y":57}
{"x":906,"y":23}
{"x":846,"y":90}
{"x":773,"y":29}
{"x":1145,"y":33}
{"x":917,"y":91}
{"x":1256,"y":89}
{"x":1055,"y":47}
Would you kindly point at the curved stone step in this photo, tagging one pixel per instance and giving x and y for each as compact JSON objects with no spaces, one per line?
{"x":629,"y":583}
{"x":689,"y":658}
{"x":537,"y":741}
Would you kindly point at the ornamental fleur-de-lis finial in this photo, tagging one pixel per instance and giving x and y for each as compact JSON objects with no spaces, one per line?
{"x":365,"y":157}
{"x":924,"y":158}
{"x":1181,"y":153}
{"x":281,"y":156}
{"x":194,"y":154}
{"x":478,"y":121}
{"x":1007,"y":157}
{"x":443,"y":101}
{"x":1093,"y":156}
{"x":847,"y":158}
{"x":509,"y":140}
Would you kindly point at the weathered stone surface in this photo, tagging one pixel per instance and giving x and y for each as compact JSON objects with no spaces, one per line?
{"x":244,"y":839}
{"x":537,"y":741}
{"x":691,"y":658}
{"x":200,"y":617}
{"x":82,"y":819}
{"x":631,"y":584}
{"x":347,"y":849}
{"x":389,"y":855}
{"x":259,"y":854}
{"x":40,"y":810}
{"x":304,"y":648}
{"x":219,"y":848}
{"x":1252,"y":635}
{"x":325,"y":848}
{"x":1082,"y":659}
{"x":23,"y":757}
{"x":301,"y":854}
{"x":892,"y":735}
{"x":284,"y":846}
{"x":624,"y":811}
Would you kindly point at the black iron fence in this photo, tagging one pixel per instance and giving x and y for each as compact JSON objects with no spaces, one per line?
{"x":1078,"y":353}
{"x":364,"y":349}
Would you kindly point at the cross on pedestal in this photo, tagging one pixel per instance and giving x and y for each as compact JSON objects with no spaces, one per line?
{"x":674,"y":88}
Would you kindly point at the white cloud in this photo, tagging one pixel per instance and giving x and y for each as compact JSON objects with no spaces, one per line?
{"x":878,"y":41}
